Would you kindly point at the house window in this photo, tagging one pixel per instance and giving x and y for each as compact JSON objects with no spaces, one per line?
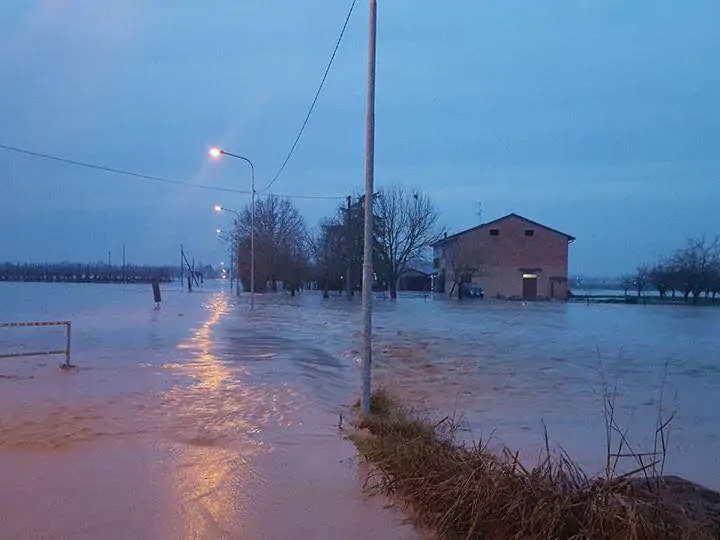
{"x":529,"y":232}
{"x":494,"y":232}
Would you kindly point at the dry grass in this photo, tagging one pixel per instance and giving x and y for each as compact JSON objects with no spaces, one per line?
{"x":463,"y":492}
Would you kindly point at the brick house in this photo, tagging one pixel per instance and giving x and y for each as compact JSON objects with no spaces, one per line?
{"x":511,"y":257}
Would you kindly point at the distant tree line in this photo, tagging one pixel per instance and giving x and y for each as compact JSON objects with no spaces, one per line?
{"x":85,"y":273}
{"x":692,"y":271}
{"x":331,"y":258}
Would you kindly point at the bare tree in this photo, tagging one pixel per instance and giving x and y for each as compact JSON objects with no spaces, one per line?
{"x":464,"y":262}
{"x":660,"y":277}
{"x":641,"y":279}
{"x":696,"y":264}
{"x":295,"y":265}
{"x":408,"y":225}
{"x":714,"y":282}
{"x":282,"y":247}
{"x":329,"y":255}
{"x":692,"y":270}
{"x":627,"y":282}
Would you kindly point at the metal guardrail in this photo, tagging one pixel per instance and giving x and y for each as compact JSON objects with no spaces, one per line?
{"x":65,"y":351}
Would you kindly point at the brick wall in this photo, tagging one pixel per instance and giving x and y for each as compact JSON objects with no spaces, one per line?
{"x":502,"y":259}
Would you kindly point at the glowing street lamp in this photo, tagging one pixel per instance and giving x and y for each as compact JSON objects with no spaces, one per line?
{"x":219,"y":210}
{"x":215,"y":153}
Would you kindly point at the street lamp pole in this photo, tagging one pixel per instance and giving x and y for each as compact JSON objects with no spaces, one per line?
{"x":234,"y":248}
{"x":216,"y":153}
{"x":366,"y":361}
{"x":236,"y":262}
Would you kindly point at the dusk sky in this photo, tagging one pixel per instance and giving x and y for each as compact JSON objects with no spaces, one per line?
{"x":600,"y":118}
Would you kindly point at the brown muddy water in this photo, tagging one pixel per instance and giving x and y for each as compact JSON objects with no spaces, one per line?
{"x":177,"y":425}
{"x":204,"y":421}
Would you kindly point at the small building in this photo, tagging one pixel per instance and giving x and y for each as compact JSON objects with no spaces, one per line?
{"x":511,"y":257}
{"x":417,"y":277}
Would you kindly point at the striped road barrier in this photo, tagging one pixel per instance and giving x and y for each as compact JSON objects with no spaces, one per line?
{"x":65,"y":351}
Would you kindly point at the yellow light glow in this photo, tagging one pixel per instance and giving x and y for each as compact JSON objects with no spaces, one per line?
{"x":529,"y":276}
{"x":215,"y":152}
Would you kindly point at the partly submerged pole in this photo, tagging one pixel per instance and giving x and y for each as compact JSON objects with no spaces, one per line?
{"x":367,"y":284}
{"x":252,"y":239}
{"x":349,"y":248}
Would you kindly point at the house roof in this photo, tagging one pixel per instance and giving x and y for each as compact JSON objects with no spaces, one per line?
{"x":421,"y":267}
{"x":496,"y":221}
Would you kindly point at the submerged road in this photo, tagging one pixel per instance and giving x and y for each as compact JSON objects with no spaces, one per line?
{"x":228,"y":430}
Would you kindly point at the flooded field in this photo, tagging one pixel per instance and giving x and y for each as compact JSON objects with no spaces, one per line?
{"x":508,"y":367}
{"x":213,"y":409}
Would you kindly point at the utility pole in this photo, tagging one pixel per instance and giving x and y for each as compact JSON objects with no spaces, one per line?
{"x":367,"y":282}
{"x":232,"y":263}
{"x":236,"y":259}
{"x":349,"y":247}
{"x":182,"y":267}
{"x":124,"y":267}
{"x":252,"y":239}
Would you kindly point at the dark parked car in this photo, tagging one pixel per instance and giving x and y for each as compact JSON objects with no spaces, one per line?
{"x":470,"y":290}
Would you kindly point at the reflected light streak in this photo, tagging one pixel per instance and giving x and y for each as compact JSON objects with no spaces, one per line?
{"x":220,"y":417}
{"x":211,"y":474}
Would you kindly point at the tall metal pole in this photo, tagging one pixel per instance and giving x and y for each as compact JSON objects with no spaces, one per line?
{"x":368,"y":229}
{"x":348,"y":247}
{"x":232,"y":255}
{"x":252,"y":223}
{"x":234,"y":266}
{"x":252,"y":242}
{"x":124,"y":265}
{"x":236,"y":257}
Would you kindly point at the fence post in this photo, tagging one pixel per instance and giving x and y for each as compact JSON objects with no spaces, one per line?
{"x":67,"y":345}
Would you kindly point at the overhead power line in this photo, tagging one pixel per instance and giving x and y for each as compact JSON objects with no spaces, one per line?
{"x":114,"y":170}
{"x":67,"y":161}
{"x":315,"y":99}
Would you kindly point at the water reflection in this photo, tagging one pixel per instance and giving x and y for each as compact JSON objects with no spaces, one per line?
{"x":219,"y":418}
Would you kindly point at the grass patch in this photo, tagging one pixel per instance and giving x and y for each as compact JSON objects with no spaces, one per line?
{"x":382,"y":404}
{"x":470,"y":492}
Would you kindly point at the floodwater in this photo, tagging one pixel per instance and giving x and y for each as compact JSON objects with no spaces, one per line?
{"x":509,"y":367}
{"x":179,"y":423}
{"x":202,"y":420}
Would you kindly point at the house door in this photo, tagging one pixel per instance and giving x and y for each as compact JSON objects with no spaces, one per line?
{"x":529,"y":286}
